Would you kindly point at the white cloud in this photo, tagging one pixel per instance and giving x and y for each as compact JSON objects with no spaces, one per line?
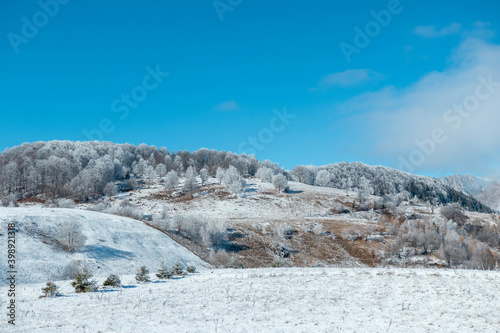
{"x":431,"y":31}
{"x":227,"y":106}
{"x":347,"y":78}
{"x":397,"y":120}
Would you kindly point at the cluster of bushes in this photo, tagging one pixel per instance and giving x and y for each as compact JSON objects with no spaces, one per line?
{"x":211,"y":233}
{"x":450,"y":238}
{"x":125,"y":209}
{"x":83,"y":282}
{"x":164,"y":272}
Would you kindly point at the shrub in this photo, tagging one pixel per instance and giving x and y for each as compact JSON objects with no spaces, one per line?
{"x":113,"y":281}
{"x":50,"y":290}
{"x":65,"y":203}
{"x":211,"y":233}
{"x":83,"y":282}
{"x":277,"y":262}
{"x":283,"y":230}
{"x":191,"y":269}
{"x":110,"y":189}
{"x":221,"y":258}
{"x":142,"y":274}
{"x":163,"y":272}
{"x":318,"y":229}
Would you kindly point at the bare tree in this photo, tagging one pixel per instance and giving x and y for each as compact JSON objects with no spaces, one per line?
{"x":70,"y":236}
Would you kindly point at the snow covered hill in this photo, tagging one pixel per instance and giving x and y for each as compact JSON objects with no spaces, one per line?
{"x":113,"y":244}
{"x":274,"y":300}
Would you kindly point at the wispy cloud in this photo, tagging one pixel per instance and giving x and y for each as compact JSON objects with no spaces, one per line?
{"x":397,"y":122}
{"x":227,"y":106}
{"x":431,"y":31}
{"x":350,"y":77}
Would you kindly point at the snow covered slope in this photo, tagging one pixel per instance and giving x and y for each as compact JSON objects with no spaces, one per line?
{"x":113,"y":244}
{"x":275,"y":300}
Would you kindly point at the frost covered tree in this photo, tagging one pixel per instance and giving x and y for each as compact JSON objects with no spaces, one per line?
{"x":454,"y":212}
{"x":190,"y":182}
{"x":364,"y":190}
{"x":233,"y":180}
{"x":150,"y":173}
{"x":303,"y":174}
{"x":161,"y":170}
{"x":110,"y":189}
{"x":70,"y":236}
{"x":280,"y":182}
{"x":322,"y":178}
{"x":219,"y":174}
{"x":203,"y":176}
{"x":265,"y":174}
{"x":171,"y":181}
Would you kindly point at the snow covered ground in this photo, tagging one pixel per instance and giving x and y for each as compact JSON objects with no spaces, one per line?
{"x":259,"y":201}
{"x":274,"y":300}
{"x":113,"y":244}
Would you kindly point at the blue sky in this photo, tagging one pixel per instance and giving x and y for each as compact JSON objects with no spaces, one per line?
{"x":258,"y":77}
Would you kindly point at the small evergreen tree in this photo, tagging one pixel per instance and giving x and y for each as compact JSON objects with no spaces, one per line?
{"x":142,"y":274}
{"x":163,"y":272}
{"x":83,"y":282}
{"x":178,"y":270}
{"x":50,"y":290}
{"x":113,"y":281}
{"x":191,"y":269}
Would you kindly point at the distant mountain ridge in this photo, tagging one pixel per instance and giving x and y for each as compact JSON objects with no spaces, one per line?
{"x":385,"y":181}
{"x":485,"y":190}
{"x":466,"y":183}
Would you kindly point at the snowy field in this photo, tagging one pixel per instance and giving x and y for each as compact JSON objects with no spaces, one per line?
{"x":274,"y":300}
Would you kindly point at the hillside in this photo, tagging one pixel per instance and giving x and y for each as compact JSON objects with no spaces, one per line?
{"x":306,"y":226}
{"x":234,"y":211}
{"x":86,"y":171}
{"x":113,"y":244}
